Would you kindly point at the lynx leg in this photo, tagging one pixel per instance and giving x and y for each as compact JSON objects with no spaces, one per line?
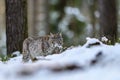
{"x":26,"y":57}
{"x":25,"y":51}
{"x":33,"y":58}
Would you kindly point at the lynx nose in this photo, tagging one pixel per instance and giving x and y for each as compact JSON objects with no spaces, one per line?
{"x":57,"y":45}
{"x":60,"y":46}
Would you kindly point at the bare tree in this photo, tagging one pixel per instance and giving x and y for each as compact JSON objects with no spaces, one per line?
{"x":16,"y":24}
{"x":108,"y":19}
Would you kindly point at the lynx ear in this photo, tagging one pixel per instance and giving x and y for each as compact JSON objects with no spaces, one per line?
{"x":51,"y":34}
{"x":60,"y":33}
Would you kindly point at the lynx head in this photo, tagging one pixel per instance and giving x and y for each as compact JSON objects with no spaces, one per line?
{"x":56,"y":40}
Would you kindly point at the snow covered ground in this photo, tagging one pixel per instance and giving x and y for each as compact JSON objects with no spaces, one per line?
{"x":92,"y":61}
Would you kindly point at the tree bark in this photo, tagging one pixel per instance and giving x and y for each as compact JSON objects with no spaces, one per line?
{"x":108,"y":19}
{"x":92,"y":9}
{"x":41,"y":17}
{"x":16,"y":24}
{"x":30,"y":14}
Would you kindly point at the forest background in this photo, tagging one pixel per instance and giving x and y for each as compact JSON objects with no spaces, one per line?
{"x":75,"y":19}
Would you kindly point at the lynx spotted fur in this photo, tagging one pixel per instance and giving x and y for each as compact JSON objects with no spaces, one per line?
{"x":41,"y":46}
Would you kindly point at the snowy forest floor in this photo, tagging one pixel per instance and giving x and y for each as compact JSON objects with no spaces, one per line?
{"x":92,"y":61}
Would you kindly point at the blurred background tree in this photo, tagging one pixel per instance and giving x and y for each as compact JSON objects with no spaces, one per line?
{"x":38,"y":17}
{"x":108,"y":19}
{"x":2,"y":27}
{"x":76,"y":19}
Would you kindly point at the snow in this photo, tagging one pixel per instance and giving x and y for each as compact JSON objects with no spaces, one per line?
{"x":104,"y":39}
{"x":91,"y":61}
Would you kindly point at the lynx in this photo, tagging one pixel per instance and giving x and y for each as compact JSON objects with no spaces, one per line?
{"x":41,"y":46}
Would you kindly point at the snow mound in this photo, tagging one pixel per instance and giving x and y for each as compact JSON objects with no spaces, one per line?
{"x":92,"y":61}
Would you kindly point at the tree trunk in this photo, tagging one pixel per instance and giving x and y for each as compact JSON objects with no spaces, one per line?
{"x":31,"y":27}
{"x":61,"y":9}
{"x":108,"y":19}
{"x":92,"y":9}
{"x":2,"y":27}
{"x":16,"y":24}
{"x":41,"y":17}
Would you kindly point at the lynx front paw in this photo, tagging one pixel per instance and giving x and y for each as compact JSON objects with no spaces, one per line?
{"x":34,"y":59}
